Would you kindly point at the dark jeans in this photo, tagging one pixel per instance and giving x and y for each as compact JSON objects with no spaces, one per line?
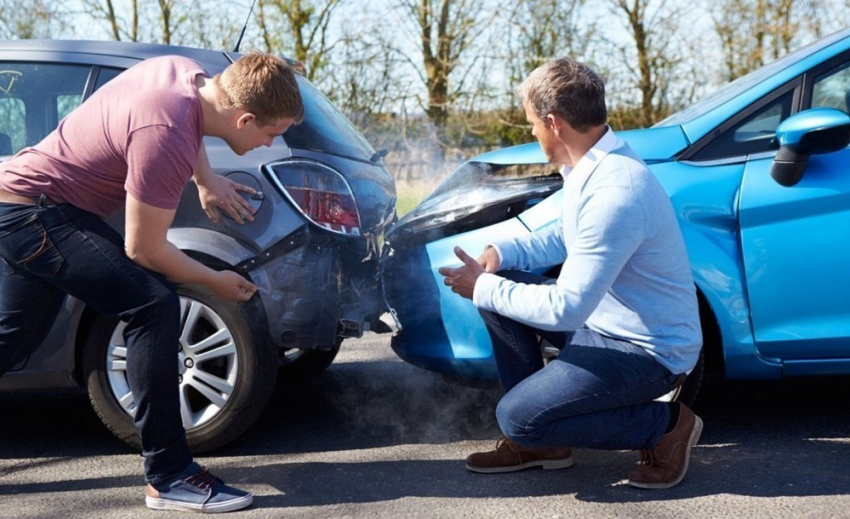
{"x":597,"y":393}
{"x":57,"y":250}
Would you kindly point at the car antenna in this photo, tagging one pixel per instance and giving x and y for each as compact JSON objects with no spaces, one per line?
{"x":379,"y":155}
{"x":239,"y":41}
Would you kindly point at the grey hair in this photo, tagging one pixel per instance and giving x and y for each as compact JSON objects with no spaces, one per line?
{"x":569,"y":89}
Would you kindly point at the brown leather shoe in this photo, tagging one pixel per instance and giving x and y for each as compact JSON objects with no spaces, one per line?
{"x":510,"y":457}
{"x":666,"y":464}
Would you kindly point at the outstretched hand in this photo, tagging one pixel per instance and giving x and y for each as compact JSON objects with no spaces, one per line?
{"x":462,"y":279}
{"x":218,"y":192}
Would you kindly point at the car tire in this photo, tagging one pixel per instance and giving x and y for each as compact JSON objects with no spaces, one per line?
{"x":247,"y":371}
{"x":299,"y":364}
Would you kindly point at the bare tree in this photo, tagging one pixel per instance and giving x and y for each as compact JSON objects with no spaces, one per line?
{"x":220,"y":31}
{"x":773,"y":29}
{"x":446,"y":32}
{"x":536,"y":31}
{"x":821,"y":17}
{"x":160,"y":21}
{"x":653,"y":27}
{"x":25,"y":19}
{"x":166,"y":19}
{"x":540,"y":30}
{"x":119,"y":27}
{"x":306,"y":34}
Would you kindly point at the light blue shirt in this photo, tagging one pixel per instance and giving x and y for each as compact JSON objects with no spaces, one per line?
{"x":625,"y":270}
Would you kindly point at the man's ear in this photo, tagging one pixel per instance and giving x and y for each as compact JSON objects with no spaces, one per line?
{"x":559,"y":124}
{"x":244,"y":119}
{"x":554,"y":122}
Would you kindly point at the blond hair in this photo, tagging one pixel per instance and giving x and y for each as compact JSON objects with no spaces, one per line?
{"x":262,"y":84}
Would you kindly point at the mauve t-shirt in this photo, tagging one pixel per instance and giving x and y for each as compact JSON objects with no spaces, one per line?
{"x":138,"y":134}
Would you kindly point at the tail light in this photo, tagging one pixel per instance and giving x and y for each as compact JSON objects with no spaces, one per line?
{"x":320,"y":193}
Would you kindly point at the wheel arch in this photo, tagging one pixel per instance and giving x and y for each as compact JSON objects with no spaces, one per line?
{"x":252,"y":310}
{"x":712,"y":340}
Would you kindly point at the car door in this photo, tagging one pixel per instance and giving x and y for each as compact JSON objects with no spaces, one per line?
{"x":35,"y":94}
{"x":795,"y":246}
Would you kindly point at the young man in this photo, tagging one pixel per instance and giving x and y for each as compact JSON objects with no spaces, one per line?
{"x":134,"y":145}
{"x":623,"y":310}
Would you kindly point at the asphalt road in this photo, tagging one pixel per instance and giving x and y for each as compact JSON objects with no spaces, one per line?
{"x":374,"y":437}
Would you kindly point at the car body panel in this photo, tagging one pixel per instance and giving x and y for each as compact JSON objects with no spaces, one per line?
{"x":795,"y":263}
{"x":53,"y":364}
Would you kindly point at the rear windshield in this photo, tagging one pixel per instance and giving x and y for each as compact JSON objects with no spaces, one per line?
{"x":325,"y":129}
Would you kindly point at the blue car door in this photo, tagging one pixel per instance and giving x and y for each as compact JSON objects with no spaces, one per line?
{"x":796,"y":252}
{"x":795,"y":244}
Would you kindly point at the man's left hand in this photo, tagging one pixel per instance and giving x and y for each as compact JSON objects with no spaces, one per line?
{"x":218,"y":192}
{"x":462,"y":279}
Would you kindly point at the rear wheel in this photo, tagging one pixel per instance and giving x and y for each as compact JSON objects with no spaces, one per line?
{"x":226,"y":374}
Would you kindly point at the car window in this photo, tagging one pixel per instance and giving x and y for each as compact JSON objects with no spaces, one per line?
{"x":756,"y":133}
{"x":105,"y":75}
{"x":12,"y":126}
{"x":34,"y":97}
{"x":324,"y":128}
{"x":832,"y":89}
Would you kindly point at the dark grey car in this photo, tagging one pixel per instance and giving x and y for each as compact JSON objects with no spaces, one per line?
{"x":324,"y":200}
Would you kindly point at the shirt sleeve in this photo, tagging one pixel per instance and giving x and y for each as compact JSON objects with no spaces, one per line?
{"x":542,"y":248}
{"x":611,"y":225}
{"x":160,"y":162}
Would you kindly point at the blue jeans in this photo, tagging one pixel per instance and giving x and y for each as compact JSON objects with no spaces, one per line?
{"x":57,"y":250}
{"x":597,"y":393}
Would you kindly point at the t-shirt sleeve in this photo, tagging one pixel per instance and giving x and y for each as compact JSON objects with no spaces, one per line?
{"x":160,"y":161}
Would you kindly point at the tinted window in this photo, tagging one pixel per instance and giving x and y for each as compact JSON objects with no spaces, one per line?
{"x":12,"y":125}
{"x":832,"y":89}
{"x":754,"y":134}
{"x":34,"y":97}
{"x":325,"y":129}
{"x":105,"y":75}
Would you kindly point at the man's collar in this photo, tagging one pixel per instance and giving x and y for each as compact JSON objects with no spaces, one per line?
{"x":588,"y":162}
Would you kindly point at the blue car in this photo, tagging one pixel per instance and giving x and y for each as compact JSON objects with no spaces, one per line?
{"x":759,"y":175}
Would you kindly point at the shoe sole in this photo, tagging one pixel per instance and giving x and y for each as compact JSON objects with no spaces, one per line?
{"x":211,"y":508}
{"x":544,"y":464}
{"x":695,"y":434}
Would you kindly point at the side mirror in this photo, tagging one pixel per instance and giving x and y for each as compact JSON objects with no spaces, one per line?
{"x":818,"y":130}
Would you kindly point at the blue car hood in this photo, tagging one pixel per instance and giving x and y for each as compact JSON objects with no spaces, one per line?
{"x":657,"y":144}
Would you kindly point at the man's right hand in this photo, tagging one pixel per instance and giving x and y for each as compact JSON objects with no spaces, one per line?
{"x":231,"y":286}
{"x":147,"y":245}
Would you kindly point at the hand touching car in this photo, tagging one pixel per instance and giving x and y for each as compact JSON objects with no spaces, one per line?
{"x":221,"y":193}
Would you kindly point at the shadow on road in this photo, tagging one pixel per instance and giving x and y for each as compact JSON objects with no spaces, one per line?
{"x":768,"y":438}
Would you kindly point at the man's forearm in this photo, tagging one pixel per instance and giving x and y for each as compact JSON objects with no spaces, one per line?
{"x":174,"y":264}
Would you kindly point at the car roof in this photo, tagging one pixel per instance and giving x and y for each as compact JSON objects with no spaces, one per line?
{"x":705,"y":115}
{"x":118,"y":49}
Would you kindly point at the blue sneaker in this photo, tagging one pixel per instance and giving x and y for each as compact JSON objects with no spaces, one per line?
{"x":196,"y":490}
